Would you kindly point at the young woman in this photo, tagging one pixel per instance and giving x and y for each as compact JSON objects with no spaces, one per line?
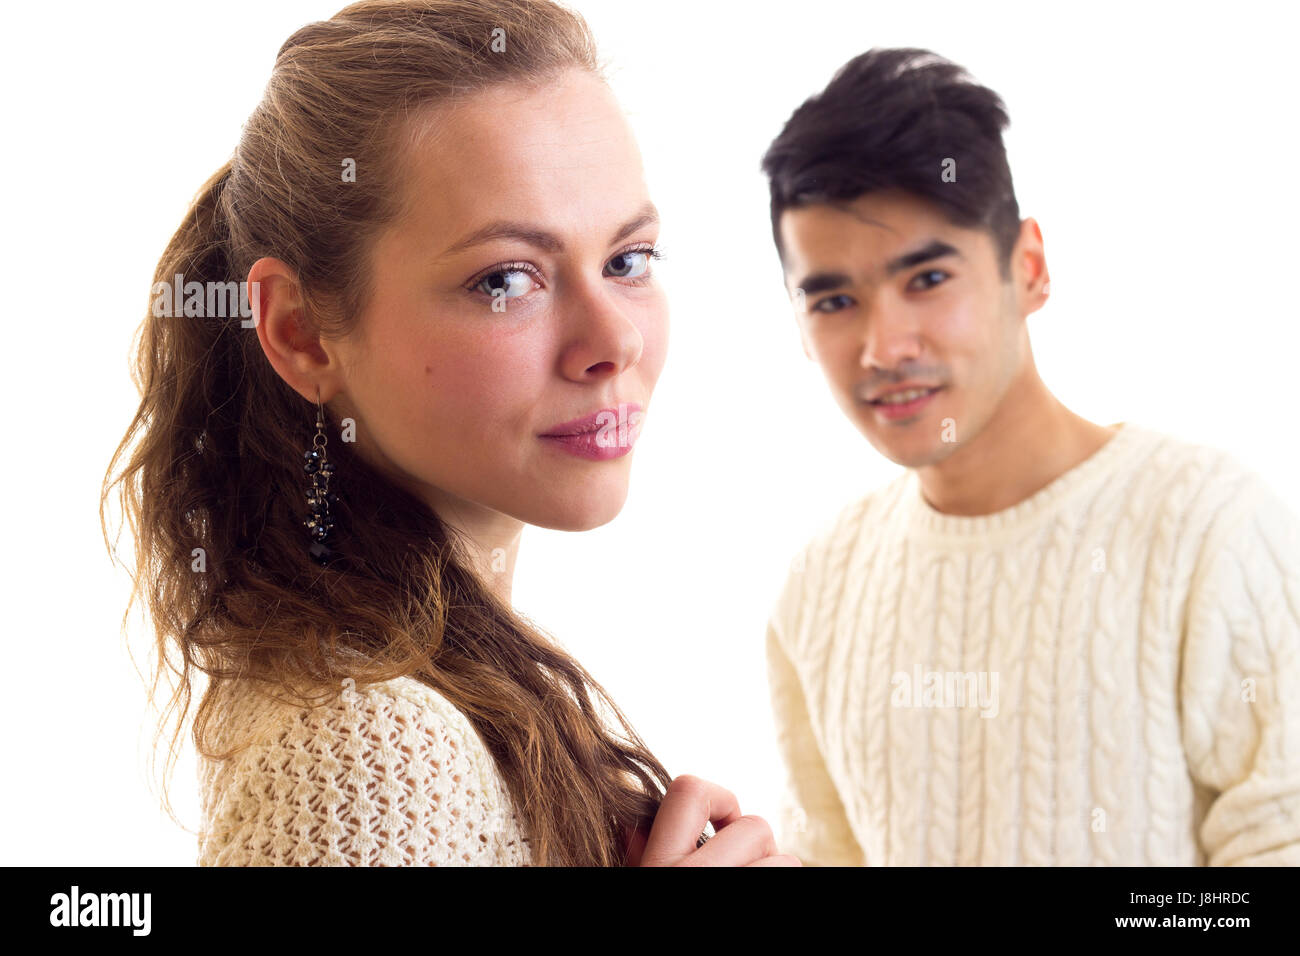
{"x":442,"y":220}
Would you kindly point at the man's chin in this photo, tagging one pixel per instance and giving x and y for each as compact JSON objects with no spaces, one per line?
{"x":909,"y":449}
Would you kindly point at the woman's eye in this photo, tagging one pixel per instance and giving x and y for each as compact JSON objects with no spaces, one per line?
{"x":506,"y":284}
{"x":629,"y":265}
{"x":927,"y":276}
{"x":511,"y":280}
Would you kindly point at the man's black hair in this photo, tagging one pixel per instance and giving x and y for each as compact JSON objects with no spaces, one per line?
{"x":888,"y":119}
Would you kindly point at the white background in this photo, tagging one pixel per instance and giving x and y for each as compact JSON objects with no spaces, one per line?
{"x":1155,"y":144}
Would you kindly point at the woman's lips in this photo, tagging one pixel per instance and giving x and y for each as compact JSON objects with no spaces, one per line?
{"x":597,"y":419}
{"x":604,"y":434}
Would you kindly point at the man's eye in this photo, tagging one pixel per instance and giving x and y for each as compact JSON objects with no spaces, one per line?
{"x":629,"y":265}
{"x":927,"y":276}
{"x":506,"y":284}
{"x":843,"y":301}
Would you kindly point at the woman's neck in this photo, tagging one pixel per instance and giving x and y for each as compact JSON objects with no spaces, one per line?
{"x":490,"y":537}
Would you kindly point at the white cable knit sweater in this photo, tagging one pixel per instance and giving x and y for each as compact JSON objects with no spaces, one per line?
{"x":1106,"y":673}
{"x":389,"y":775}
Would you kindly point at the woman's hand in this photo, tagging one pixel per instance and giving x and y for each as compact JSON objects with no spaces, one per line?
{"x":688,"y":804}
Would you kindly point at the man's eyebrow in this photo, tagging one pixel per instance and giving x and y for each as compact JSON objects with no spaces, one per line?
{"x":821,"y":281}
{"x":934,"y":249}
{"x":546,"y":241}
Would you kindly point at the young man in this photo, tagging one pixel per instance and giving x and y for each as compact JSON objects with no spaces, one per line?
{"x":1046,"y":641}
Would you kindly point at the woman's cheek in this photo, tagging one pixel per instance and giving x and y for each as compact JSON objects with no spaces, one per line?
{"x":487,"y":384}
{"x":653,"y":357}
{"x":654,"y":335}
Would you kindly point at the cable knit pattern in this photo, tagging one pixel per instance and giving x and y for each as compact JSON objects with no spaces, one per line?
{"x":1106,"y":673}
{"x":388,"y":775}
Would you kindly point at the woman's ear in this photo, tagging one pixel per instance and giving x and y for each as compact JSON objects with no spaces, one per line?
{"x":292,"y":345}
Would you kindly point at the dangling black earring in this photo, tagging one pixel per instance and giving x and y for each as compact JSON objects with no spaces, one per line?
{"x":319,"y":497}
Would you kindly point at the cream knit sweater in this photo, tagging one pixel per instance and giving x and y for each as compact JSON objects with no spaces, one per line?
{"x":388,"y":775}
{"x":1106,"y":673}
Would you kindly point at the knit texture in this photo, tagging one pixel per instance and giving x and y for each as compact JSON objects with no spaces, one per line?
{"x":388,"y":775}
{"x":1106,"y":673}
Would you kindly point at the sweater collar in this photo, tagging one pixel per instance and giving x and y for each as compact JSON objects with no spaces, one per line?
{"x":923,"y":518}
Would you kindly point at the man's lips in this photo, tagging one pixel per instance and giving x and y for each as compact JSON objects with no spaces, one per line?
{"x":629,"y":412}
{"x":900,"y":390}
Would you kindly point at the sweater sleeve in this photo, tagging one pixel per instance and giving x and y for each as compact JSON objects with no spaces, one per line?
{"x":1240,"y":684}
{"x":811,"y":824}
{"x":392,"y":775}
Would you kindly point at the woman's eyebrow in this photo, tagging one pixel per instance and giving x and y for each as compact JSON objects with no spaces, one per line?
{"x":546,"y":241}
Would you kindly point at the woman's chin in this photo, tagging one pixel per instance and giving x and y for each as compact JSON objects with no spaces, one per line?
{"x":579,"y":514}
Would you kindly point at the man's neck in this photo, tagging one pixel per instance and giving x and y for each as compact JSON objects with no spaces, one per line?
{"x":1023,"y":448}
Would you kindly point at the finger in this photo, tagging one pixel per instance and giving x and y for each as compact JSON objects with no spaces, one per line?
{"x":689,"y":803}
{"x":785,"y":859}
{"x":743,"y":842}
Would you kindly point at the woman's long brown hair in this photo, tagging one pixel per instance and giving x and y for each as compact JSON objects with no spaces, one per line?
{"x":215,"y":448}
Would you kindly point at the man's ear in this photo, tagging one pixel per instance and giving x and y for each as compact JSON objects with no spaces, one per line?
{"x":799,"y":303}
{"x":1029,"y":268}
{"x":292,"y":345}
